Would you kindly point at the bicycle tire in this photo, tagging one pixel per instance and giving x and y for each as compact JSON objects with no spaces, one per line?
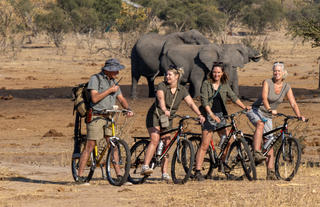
{"x":283,"y":161}
{"x":88,"y":170}
{"x":239,"y":159}
{"x":138,"y":151}
{"x":207,"y":165}
{"x":123,"y":164}
{"x":180,"y":175}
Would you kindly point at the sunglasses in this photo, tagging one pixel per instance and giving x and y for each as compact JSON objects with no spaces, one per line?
{"x":218,"y":64}
{"x":279,"y":62}
{"x":174,"y":67}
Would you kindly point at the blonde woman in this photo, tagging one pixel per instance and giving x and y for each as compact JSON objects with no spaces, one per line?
{"x":169,"y":95}
{"x":273,"y":92}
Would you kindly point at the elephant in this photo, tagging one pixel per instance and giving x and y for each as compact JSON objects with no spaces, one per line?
{"x":197,"y":61}
{"x":235,"y":56}
{"x":146,"y":54}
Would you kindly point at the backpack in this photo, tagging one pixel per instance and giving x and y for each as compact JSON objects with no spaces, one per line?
{"x":82,"y":98}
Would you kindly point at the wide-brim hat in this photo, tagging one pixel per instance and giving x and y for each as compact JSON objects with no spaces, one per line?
{"x":112,"y":65}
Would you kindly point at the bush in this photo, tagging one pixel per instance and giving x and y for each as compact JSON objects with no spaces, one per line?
{"x":266,"y":15}
{"x":55,"y":23}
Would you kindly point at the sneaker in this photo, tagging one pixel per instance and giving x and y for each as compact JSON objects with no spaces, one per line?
{"x":198,"y":176}
{"x":258,"y":157}
{"x":166,"y":177}
{"x":81,"y":180}
{"x":271,"y":175}
{"x":146,"y":170}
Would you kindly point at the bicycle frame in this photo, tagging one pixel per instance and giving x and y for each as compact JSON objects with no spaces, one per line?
{"x":176,"y":137}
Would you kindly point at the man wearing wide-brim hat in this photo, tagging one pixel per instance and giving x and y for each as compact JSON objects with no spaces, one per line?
{"x":104,"y":92}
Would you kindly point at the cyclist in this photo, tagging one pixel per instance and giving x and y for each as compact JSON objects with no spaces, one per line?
{"x":273,"y":92}
{"x":169,"y":95}
{"x":104,"y":91}
{"x":214,"y":92}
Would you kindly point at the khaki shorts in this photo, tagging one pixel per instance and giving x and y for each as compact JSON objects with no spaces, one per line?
{"x":98,"y":128}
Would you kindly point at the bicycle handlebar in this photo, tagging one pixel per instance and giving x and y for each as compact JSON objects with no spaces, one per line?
{"x":291,"y":117}
{"x":186,"y":117}
{"x":243,"y":111}
{"x":106,"y":111}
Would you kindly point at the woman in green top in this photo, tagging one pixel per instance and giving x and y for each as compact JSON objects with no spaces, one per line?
{"x":214,"y":92}
{"x":168,"y":98}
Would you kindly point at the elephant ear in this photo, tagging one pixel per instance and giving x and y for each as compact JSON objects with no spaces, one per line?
{"x":209,"y":54}
{"x":235,"y":55}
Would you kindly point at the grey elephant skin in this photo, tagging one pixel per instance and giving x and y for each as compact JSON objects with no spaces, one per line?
{"x":197,"y":61}
{"x":148,"y":50}
{"x":233,"y":56}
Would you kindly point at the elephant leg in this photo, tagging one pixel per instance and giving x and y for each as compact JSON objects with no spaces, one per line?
{"x":134,"y":82}
{"x":235,"y":82}
{"x":196,"y":79}
{"x":151,"y":87}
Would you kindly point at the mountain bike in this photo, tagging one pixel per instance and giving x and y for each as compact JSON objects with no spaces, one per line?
{"x":238,"y":161}
{"x":288,"y":156}
{"x":182,"y":160}
{"x":117,"y":162}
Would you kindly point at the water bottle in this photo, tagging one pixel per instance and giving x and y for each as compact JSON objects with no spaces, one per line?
{"x":268,"y":142}
{"x":222,"y":140}
{"x":160,"y":147}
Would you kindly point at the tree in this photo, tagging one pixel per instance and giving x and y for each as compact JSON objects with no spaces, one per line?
{"x":263,"y":16}
{"x":307,"y":26}
{"x":55,"y":22}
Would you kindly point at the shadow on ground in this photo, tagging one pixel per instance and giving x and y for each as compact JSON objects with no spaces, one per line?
{"x":247,"y":92}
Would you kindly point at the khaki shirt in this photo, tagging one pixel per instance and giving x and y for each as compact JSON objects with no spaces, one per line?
{"x":207,"y":91}
{"x":168,"y":97}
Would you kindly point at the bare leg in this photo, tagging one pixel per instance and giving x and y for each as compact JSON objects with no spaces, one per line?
{"x":164,"y":167}
{"x":258,"y":136}
{"x":206,"y":136}
{"x":270,"y":159}
{"x":155,"y":137}
{"x":85,"y":155}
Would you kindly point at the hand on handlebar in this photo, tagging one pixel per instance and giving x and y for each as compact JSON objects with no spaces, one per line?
{"x":201,"y":119}
{"x":129,"y":113}
{"x":302,"y":118}
{"x":215,"y":118}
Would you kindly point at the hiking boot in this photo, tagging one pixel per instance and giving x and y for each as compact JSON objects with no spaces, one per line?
{"x":146,"y":170}
{"x":166,"y":177}
{"x":258,"y":157}
{"x":271,"y":175}
{"x":198,"y":176}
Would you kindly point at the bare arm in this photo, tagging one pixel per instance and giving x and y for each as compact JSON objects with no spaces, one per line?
{"x":162,"y":104}
{"x":239,"y":103}
{"x":294,"y":104}
{"x":265,"y":92}
{"x":96,"y":96}
{"x":193,"y":106}
{"x":124,"y":104}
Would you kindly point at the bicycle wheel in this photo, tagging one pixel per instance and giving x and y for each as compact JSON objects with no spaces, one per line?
{"x":88,"y":169}
{"x":240,"y":161}
{"x":138,"y":152}
{"x":207,"y":165}
{"x":182,"y":162}
{"x":118,"y":162}
{"x":288,"y":159}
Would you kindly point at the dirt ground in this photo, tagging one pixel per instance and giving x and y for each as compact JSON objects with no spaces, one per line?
{"x":35,"y":100}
